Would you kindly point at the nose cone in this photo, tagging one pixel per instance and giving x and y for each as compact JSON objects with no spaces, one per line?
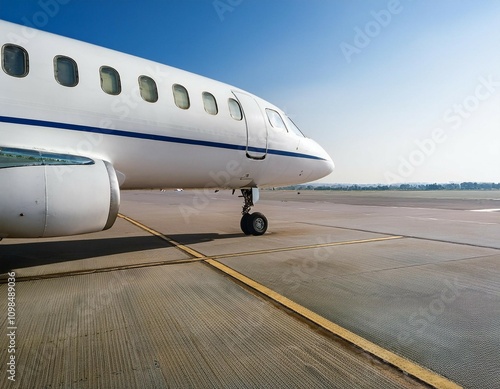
{"x":313,"y":164}
{"x":329,"y":165}
{"x":323,"y":165}
{"x":326,"y":166}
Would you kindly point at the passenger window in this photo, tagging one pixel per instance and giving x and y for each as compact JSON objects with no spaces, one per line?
{"x":181,"y":96}
{"x":65,"y":71}
{"x":235,"y":109}
{"x":210,"y":103}
{"x":110,"y":81}
{"x":275,"y":120}
{"x":148,"y":89}
{"x":15,"y":61}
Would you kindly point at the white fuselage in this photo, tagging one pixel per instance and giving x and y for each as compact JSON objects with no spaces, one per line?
{"x":79,"y":122}
{"x":150,"y":144}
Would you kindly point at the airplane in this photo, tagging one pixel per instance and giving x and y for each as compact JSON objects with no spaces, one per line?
{"x":79,"y":123}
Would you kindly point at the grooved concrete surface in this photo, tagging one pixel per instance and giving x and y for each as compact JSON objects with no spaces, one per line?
{"x":175,"y":326}
{"x":431,"y":296}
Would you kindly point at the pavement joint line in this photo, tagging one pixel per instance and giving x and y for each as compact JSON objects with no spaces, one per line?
{"x":100,"y":270}
{"x":421,"y":373}
{"x":308,"y":247}
{"x":201,"y":256}
{"x":405,"y":236}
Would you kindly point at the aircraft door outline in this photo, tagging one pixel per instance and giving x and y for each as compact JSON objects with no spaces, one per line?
{"x":255,"y":120}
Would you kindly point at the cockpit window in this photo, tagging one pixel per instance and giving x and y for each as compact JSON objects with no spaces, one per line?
{"x":283,"y":123}
{"x":293,"y":128}
{"x":275,"y":120}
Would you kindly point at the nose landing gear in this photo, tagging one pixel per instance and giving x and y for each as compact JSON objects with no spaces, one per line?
{"x":252,"y":223}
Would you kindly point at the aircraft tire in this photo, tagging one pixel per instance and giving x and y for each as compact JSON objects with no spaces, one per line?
{"x":257,"y":224}
{"x":245,"y":225}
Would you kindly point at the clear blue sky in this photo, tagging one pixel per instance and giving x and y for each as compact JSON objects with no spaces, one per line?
{"x":395,"y":90}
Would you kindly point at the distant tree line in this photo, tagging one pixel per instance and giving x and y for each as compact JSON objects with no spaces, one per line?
{"x":435,"y":186}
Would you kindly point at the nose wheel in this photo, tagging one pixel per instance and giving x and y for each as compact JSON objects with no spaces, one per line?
{"x":252,"y":223}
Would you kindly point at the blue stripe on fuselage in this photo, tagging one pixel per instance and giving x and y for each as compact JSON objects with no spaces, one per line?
{"x":139,"y":135}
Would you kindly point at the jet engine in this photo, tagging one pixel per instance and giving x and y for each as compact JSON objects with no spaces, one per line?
{"x":55,"y":195}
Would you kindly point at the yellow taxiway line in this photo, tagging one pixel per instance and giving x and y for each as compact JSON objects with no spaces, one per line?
{"x":423,"y":374}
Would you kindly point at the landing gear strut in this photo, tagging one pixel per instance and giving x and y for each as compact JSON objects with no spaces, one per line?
{"x":252,"y":223}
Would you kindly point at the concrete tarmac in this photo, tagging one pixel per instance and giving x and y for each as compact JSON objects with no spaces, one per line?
{"x":377,"y":289}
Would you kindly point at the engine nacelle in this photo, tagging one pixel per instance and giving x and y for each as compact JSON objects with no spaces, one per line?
{"x":57,"y":197}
